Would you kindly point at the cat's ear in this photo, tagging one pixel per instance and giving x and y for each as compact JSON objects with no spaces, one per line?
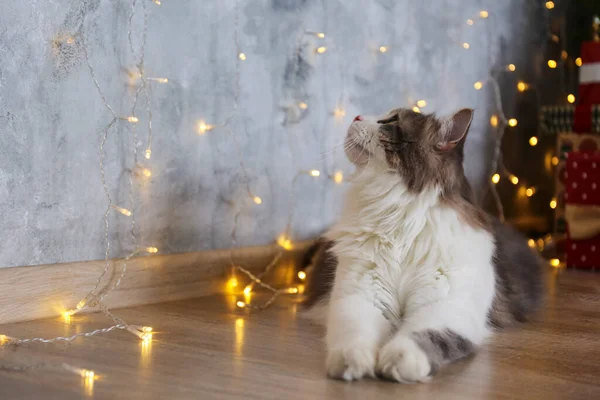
{"x":456,"y":133}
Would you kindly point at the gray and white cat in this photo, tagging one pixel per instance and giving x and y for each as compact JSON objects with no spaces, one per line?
{"x":415,"y":275}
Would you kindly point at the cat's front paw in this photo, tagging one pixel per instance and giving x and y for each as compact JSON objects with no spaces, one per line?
{"x":351,"y":363}
{"x":402,"y":360}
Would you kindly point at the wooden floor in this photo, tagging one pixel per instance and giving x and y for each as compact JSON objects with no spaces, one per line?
{"x":208,"y":349}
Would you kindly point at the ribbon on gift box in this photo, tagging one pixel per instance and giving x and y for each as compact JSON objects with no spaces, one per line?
{"x":584,"y":221}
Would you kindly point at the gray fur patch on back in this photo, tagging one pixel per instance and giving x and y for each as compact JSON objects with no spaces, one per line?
{"x":443,"y":347}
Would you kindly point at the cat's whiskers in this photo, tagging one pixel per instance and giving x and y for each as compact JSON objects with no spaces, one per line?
{"x":364,"y":168}
{"x":345,"y":145}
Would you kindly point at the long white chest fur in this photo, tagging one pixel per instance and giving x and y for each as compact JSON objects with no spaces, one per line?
{"x":412,"y":259}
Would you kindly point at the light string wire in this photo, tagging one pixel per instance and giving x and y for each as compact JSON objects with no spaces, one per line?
{"x":284,"y":241}
{"x":95,"y":296}
{"x":235,"y":266}
{"x":501,"y":123}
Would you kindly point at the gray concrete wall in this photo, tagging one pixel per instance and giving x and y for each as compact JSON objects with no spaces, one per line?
{"x":51,"y":118}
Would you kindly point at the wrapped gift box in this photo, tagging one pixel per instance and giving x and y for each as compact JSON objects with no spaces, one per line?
{"x":582,"y":209}
{"x":565,"y":143}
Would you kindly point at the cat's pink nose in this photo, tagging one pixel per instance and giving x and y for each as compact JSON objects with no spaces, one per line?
{"x":358,"y":118}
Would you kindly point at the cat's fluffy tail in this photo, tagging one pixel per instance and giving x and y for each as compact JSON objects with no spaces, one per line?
{"x":320,"y":264}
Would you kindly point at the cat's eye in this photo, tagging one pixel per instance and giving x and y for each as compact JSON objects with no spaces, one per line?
{"x":390,"y":119}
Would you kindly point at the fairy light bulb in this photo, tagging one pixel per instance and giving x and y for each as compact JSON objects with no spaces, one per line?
{"x":292,"y":290}
{"x":478,"y":85}
{"x":383,"y":49}
{"x":284,"y":242}
{"x":552,"y":63}
{"x":147,"y":154}
{"x":150,"y":249}
{"x":421,"y":103}
{"x":496,"y":178}
{"x":321,"y":49}
{"x":157,"y":2}
{"x":511,"y":67}
{"x":321,"y":35}
{"x":578,"y":61}
{"x":159,"y":80}
{"x":122,"y":210}
{"x":303,"y":105}
{"x":530,"y":191}
{"x":533,"y":141}
{"x":133,"y":119}
{"x":87,"y":374}
{"x":314,"y":172}
{"x":555,"y":38}
{"x":240,"y":304}
{"x":553,"y":203}
{"x":338,"y":177}
{"x":301,"y":275}
{"x":257,"y":200}
{"x":470,"y":22}
{"x":555,"y":161}
{"x":147,"y":329}
{"x":555,"y":262}
{"x":564,"y":55}
{"x":513,"y":122}
{"x":146,"y":172}
{"x":242,"y":56}
{"x":66,"y":315}
{"x":339,"y":112}
{"x":416,"y":109}
{"x":202,"y":127}
{"x":494,"y":120}
{"x":514,"y":179}
{"x":139,"y":332}
{"x":232,"y":283}
{"x":571,"y":98}
{"x":483,"y":14}
{"x":466,"y":45}
{"x":247,"y":289}
{"x":522,"y":86}
{"x":549,"y":5}
{"x":531,"y":243}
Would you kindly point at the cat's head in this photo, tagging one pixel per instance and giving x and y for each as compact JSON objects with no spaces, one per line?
{"x":423,"y":149}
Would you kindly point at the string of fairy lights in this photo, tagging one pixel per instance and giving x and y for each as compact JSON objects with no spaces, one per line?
{"x":284,"y":241}
{"x":500,"y":122}
{"x":94,"y":298}
{"x":140,"y":84}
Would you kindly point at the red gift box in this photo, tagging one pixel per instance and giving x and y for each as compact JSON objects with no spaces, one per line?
{"x":582,"y":209}
{"x":589,"y":74}
{"x":589,"y":86}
